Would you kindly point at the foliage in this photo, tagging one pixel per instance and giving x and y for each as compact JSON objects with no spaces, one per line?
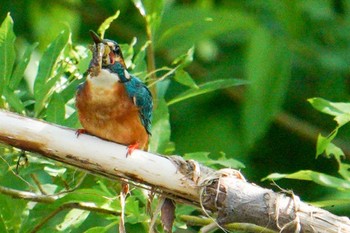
{"x":341,"y":113}
{"x":51,"y":100}
{"x":187,"y":52}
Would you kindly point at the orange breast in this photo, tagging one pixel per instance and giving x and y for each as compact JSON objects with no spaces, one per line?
{"x":110,"y":114}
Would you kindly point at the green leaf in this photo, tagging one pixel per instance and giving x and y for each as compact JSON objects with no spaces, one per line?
{"x":73,"y":219}
{"x":99,"y":198}
{"x":2,"y":225}
{"x":330,"y":108}
{"x":317,"y":177}
{"x":184,"y":78}
{"x":335,"y":202}
{"x":70,"y":90}
{"x":98,"y":229}
{"x":55,"y":112}
{"x":128,"y":52}
{"x":72,"y":121}
{"x":335,"y":151}
{"x":45,"y":81}
{"x":18,"y":72}
{"x":203,"y":157}
{"x":342,"y":119}
{"x":11,"y":212}
{"x":13,"y":100}
{"x":135,"y":212}
{"x":105,"y":25}
{"x":207,"y":87}
{"x":323,"y":142}
{"x":160,"y":138}
{"x":268,"y":69}
{"x":139,"y":63}
{"x":7,"y":51}
{"x":184,"y":59}
{"x":344,"y":171}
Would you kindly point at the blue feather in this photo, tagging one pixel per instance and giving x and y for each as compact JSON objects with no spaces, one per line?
{"x":138,"y":92}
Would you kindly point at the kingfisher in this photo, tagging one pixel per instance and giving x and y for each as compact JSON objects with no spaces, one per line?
{"x":112,"y":103}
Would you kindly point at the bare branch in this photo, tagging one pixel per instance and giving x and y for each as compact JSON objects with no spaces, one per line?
{"x":29,"y":196}
{"x":224,"y":193}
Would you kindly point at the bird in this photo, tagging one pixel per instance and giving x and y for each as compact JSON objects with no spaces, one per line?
{"x":112,"y":103}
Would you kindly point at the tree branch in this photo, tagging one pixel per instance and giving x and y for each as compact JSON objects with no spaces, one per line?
{"x":29,"y":196}
{"x":224,"y":193}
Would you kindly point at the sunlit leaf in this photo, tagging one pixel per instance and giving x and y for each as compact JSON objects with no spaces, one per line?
{"x":317,"y":177}
{"x":135,"y":211}
{"x":333,"y":109}
{"x":97,"y":229}
{"x":18,"y":72}
{"x":160,"y":128}
{"x":344,"y":170}
{"x":84,"y":62}
{"x":333,"y":202}
{"x":184,"y":59}
{"x":335,"y":151}
{"x":69,"y":91}
{"x":13,"y":100}
{"x":44,"y":81}
{"x":72,"y":121}
{"x":207,"y":87}
{"x":342,"y":119}
{"x":106,"y":24}
{"x":73,"y":219}
{"x":323,"y":142}
{"x":11,"y":212}
{"x":7,"y":51}
{"x":184,"y":78}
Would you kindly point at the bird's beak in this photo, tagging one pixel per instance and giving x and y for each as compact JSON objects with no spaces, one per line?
{"x":98,"y":51}
{"x":95,"y":37}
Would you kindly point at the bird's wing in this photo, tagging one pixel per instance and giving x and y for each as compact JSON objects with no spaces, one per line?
{"x":142,"y":98}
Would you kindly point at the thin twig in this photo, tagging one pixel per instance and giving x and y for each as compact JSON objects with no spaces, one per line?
{"x":244,"y":227}
{"x":17,"y":175}
{"x":76,"y":186}
{"x":29,"y":196}
{"x":38,"y":184}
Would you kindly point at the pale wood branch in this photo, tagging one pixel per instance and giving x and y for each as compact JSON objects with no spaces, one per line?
{"x":224,"y":193}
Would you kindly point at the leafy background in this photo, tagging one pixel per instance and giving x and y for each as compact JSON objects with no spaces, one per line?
{"x":284,"y":52}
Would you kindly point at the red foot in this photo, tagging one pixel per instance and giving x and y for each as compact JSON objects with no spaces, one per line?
{"x":131,"y":148}
{"x":80,"y":131}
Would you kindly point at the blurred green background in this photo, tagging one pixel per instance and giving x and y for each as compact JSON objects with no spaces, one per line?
{"x":289,"y":51}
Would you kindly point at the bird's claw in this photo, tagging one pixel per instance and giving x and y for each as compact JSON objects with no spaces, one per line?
{"x":80,"y":131}
{"x":131,"y":148}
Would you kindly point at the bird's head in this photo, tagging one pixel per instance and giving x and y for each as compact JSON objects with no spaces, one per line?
{"x":106,"y":52}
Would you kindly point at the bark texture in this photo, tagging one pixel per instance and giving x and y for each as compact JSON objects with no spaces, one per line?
{"x":224,"y":193}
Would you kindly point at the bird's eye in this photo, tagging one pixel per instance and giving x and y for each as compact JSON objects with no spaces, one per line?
{"x":117,"y":50}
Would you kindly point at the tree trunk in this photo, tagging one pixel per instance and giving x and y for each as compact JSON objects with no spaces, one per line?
{"x":224,"y":193}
